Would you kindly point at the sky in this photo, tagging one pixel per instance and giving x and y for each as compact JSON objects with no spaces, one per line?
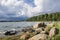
{"x":10,"y":9}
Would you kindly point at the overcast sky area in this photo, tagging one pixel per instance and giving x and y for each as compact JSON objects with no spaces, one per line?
{"x":27,"y":8}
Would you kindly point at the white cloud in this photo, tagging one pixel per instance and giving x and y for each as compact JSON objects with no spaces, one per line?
{"x":39,"y":6}
{"x":47,"y":5}
{"x":39,"y":2}
{"x":15,"y":8}
{"x":19,"y":8}
{"x":51,"y":5}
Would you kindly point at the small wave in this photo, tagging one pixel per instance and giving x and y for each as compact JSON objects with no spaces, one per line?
{"x":18,"y":27}
{"x":2,"y":32}
{"x":13,"y":29}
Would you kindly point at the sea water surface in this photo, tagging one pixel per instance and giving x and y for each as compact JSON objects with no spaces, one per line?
{"x":6,"y":26}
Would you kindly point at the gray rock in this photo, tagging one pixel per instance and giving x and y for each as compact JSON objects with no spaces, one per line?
{"x":10,"y":32}
{"x":25,"y":36}
{"x":38,"y":29}
{"x":40,"y":37}
{"x":43,"y":32}
{"x":52,"y":32}
{"x":28,"y":30}
{"x":39,"y":25}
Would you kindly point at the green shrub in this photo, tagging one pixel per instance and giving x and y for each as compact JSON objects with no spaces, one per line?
{"x":57,"y":37}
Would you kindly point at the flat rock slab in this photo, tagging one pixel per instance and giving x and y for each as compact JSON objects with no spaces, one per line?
{"x":40,"y":37}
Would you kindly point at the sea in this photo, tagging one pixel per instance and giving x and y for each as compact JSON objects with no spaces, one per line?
{"x":6,"y":26}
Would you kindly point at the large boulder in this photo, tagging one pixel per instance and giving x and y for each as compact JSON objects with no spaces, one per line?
{"x":43,"y":32}
{"x":47,"y":29}
{"x":39,"y":29}
{"x":39,"y":25}
{"x":25,"y":36}
{"x":40,"y":37}
{"x":53,"y":32}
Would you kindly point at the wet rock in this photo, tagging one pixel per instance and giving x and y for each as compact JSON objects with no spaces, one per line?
{"x":40,"y":37}
{"x":10,"y":32}
{"x":28,"y":30}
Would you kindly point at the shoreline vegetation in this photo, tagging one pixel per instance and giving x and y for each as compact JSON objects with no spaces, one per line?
{"x":39,"y":31}
{"x":46,"y":17}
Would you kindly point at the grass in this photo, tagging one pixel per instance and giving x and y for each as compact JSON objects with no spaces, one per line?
{"x":56,"y":37}
{"x":10,"y":38}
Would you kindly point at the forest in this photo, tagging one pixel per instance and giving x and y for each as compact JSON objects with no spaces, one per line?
{"x":46,"y":17}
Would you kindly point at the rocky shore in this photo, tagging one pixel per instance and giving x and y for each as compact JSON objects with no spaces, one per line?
{"x":39,"y":31}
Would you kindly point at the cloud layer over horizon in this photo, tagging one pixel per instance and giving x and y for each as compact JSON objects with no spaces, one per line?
{"x":27,"y":8}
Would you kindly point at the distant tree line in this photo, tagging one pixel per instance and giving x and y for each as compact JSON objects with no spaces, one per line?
{"x":46,"y":17}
